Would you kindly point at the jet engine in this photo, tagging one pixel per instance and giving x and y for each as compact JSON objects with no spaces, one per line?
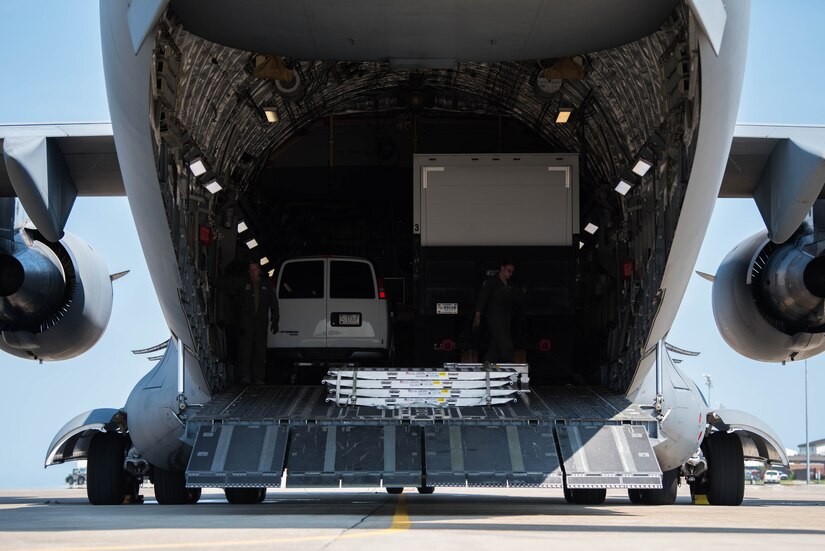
{"x":769,"y":299}
{"x":55,"y":298}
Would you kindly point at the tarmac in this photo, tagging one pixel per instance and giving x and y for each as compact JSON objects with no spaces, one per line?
{"x":469,"y":519}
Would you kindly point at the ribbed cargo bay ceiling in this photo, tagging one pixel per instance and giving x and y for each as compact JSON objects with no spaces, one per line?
{"x":288,"y":133}
{"x":210,"y":93}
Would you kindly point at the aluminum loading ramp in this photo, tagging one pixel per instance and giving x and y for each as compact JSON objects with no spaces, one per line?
{"x":582,"y":436}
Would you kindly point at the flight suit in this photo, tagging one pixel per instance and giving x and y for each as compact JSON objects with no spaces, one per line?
{"x":257,"y":314}
{"x":496,"y":301}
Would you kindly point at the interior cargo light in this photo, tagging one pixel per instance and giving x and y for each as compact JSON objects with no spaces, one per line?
{"x":252,"y":243}
{"x":242,"y":227}
{"x":264,"y":261}
{"x":213,"y":186}
{"x":591,"y":228}
{"x":197,"y":166}
{"x":271,"y":272}
{"x":564,"y":114}
{"x":642,"y":166}
{"x":271,"y":114}
{"x":581,"y":244}
{"x":623,"y":186}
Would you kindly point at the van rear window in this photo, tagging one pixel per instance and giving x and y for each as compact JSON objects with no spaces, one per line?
{"x":302,"y":280}
{"x":350,"y":280}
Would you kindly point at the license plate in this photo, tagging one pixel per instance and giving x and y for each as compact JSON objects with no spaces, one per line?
{"x":349,"y":320}
{"x":446,"y":308}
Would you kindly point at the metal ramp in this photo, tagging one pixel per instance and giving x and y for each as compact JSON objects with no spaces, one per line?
{"x":238,"y":455}
{"x":608,"y":456}
{"x":579,"y":436}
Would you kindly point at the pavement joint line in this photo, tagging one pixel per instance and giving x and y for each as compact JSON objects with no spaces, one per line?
{"x":400,"y":522}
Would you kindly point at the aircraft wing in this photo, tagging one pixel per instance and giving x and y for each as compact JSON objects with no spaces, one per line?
{"x":782,"y":168}
{"x":48,"y":165}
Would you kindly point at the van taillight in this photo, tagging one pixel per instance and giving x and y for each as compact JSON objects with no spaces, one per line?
{"x":381,"y":292}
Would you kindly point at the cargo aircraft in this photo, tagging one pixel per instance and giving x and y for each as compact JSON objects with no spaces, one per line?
{"x":263,"y":131}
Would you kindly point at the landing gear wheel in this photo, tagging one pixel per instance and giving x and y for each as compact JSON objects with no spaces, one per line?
{"x":426,"y":490}
{"x":585,"y":496}
{"x":108,"y":482}
{"x":170,"y":488}
{"x":394,"y":490}
{"x":665,"y":496}
{"x":635,"y":496}
{"x":245,"y":496}
{"x":725,"y":483}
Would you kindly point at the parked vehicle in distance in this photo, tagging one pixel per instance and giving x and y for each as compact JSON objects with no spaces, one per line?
{"x":77,"y":477}
{"x":331,"y":309}
{"x":773,"y":477}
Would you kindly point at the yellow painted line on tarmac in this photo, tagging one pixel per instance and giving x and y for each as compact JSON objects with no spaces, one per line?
{"x":400,"y":522}
{"x":400,"y":519}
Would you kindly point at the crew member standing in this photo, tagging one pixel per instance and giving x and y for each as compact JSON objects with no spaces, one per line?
{"x":496,"y":301}
{"x":258,"y":311}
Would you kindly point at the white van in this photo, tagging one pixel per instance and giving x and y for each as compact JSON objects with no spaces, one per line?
{"x":332,"y":309}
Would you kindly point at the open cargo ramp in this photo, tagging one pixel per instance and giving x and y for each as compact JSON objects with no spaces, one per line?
{"x":268,"y":435}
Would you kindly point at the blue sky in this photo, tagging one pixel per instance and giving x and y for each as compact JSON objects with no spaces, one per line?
{"x":52,"y":72}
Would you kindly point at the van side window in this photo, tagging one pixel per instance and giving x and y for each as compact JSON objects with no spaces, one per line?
{"x":302,"y":280}
{"x":350,"y":280}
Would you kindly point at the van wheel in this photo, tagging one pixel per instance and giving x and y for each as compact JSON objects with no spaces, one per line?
{"x":426,"y":490}
{"x":395,"y":490}
{"x":725,"y":483}
{"x":107,"y":479}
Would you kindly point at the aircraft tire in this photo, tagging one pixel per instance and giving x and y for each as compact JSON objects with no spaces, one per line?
{"x":665,"y":496}
{"x":107,"y":480}
{"x":585,"y":496}
{"x":395,"y":490}
{"x":635,"y":496}
{"x":170,"y":488}
{"x":725,"y":485}
{"x":426,"y":490}
{"x":245,"y":496}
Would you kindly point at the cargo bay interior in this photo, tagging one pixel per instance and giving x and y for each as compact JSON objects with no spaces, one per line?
{"x":316,"y":157}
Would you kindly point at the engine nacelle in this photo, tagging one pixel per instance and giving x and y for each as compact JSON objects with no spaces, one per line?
{"x":55,"y":298}
{"x":769,"y":299}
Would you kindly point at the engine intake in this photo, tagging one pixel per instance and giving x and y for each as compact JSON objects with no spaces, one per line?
{"x":55,"y":298}
{"x":769,"y":299}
